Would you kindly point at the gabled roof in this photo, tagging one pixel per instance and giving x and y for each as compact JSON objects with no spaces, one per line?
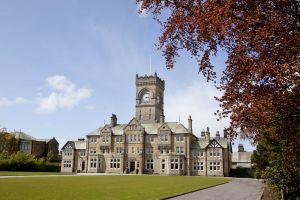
{"x":213,"y":143}
{"x":151,"y":128}
{"x":201,"y":142}
{"x":95,"y":132}
{"x":164,"y":127}
{"x":118,"y":129}
{"x":222,"y":141}
{"x":75,"y":145}
{"x":69,"y":145}
{"x":176,"y":128}
{"x":105,"y":128}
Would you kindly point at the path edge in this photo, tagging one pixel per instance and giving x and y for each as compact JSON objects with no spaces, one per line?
{"x":261,"y":193}
{"x":177,"y":195}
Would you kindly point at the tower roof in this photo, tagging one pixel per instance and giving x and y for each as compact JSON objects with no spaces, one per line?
{"x":149,"y":80}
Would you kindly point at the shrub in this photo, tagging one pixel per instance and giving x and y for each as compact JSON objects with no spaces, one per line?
{"x":26,"y":162}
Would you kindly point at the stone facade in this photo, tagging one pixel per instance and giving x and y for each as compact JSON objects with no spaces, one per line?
{"x":241,"y":159}
{"x":37,"y":147}
{"x":148,"y":144}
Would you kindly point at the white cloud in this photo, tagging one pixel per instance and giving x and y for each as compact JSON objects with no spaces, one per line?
{"x":198,"y":101}
{"x":4,"y":102}
{"x":65,"y":95}
{"x":143,"y":13}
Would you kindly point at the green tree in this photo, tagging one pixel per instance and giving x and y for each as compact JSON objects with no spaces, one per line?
{"x":50,"y":156}
{"x":8,"y":143}
{"x":277,"y":156}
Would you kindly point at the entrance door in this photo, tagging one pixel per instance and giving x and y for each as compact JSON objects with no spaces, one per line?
{"x":132,"y":166}
{"x":82,"y":166}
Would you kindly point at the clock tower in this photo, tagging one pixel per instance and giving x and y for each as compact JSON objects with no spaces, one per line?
{"x":149,"y":99}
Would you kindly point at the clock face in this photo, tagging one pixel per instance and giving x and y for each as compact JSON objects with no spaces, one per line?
{"x":146,"y":98}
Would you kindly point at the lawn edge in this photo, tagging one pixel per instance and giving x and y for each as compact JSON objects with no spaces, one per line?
{"x":32,"y":173}
{"x":177,"y":195}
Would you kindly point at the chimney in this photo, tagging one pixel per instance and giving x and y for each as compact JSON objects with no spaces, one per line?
{"x":113,"y":121}
{"x":190,"y":122}
{"x":207,"y":135}
{"x":217,"y":135}
{"x":241,"y":148}
{"x":162,"y":118}
{"x":203,"y":133}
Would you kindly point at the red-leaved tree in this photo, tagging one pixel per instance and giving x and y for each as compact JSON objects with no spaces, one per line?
{"x":261,"y":81}
{"x":262,"y":39}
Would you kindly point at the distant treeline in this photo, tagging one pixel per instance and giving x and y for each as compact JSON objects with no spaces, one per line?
{"x":25,"y":162}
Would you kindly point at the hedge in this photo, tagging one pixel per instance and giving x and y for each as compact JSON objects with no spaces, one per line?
{"x":24,"y":162}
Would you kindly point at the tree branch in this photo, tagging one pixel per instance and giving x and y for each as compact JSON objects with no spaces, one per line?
{"x":296,"y":9}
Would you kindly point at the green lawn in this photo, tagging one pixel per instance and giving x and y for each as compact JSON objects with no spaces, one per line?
{"x":12,"y":173}
{"x":102,"y":187}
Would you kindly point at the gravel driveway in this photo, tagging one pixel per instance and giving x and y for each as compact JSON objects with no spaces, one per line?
{"x":238,"y":189}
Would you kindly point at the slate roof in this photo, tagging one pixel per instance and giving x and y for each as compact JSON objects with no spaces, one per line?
{"x":81,"y":144}
{"x":222,"y":141}
{"x":175,"y":127}
{"x":44,"y":140}
{"x":23,"y":136}
{"x":47,"y":140}
{"x":201,"y":142}
{"x":95,"y":132}
{"x":119,"y":129}
{"x":152,"y":128}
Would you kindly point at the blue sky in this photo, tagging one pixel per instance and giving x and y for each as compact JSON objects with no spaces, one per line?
{"x":66,"y":66}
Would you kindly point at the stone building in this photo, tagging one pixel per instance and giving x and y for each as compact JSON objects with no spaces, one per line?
{"x":37,"y":147}
{"x":241,"y":159}
{"x":74,"y":154}
{"x":147,"y":144}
